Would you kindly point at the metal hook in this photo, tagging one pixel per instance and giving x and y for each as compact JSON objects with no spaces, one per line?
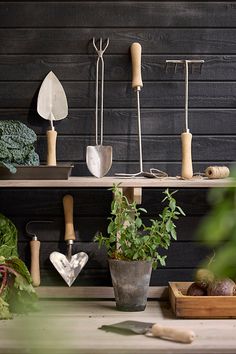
{"x":33,"y":235}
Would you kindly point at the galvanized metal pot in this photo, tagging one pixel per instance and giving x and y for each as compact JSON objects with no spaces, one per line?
{"x":130,"y":281}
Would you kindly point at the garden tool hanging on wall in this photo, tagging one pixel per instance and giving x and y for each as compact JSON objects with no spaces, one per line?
{"x":186,"y":136}
{"x":137,"y":84}
{"x":52,"y":105}
{"x":69,"y":266}
{"x":99,"y":156}
{"x":35,"y":250}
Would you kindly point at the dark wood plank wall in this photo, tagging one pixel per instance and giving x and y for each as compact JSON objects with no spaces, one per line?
{"x":36,"y":37}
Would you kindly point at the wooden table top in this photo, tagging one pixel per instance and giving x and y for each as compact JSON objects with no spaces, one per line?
{"x":71,"y":326}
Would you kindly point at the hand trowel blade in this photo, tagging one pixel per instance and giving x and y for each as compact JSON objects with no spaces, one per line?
{"x":129,"y":327}
{"x":69,"y":270}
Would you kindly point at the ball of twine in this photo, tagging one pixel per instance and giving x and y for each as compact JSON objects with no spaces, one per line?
{"x":217,"y":172}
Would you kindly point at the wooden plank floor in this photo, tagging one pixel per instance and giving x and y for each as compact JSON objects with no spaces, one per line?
{"x":72,"y":327}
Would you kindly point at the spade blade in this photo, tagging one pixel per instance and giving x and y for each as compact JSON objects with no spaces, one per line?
{"x":99,"y":159}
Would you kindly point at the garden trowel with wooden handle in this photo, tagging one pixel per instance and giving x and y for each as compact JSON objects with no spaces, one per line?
{"x":52,"y":105}
{"x":69,"y":266}
{"x":151,"y":330}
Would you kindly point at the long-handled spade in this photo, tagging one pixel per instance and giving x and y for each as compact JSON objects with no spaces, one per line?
{"x":69,"y":266}
{"x":52,"y":105}
{"x":186,"y":137}
{"x":99,"y":156}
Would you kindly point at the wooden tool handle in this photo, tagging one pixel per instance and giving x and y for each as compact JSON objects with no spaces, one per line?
{"x":178,"y":335}
{"x":35,"y":267}
{"x":51,"y":142}
{"x":136,"y":51}
{"x":68,"y":213}
{"x":187,"y":167}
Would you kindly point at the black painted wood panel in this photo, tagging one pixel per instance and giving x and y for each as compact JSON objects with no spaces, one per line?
{"x":166,"y":41}
{"x":127,"y":14}
{"x":118,"y":67}
{"x":86,"y":229}
{"x":90,"y":201}
{"x":179,"y":254}
{"x":38,"y":36}
{"x":159,"y":121}
{"x":120,"y":95}
{"x":155,"y":148}
{"x":101,"y":277}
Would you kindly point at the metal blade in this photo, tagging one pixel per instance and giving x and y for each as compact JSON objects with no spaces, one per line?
{"x":52,"y":102}
{"x":129,"y":326}
{"x":99,"y":159}
{"x":69,"y":270}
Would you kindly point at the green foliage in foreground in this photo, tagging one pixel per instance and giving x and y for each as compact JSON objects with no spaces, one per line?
{"x":218,"y":230}
{"x":129,"y":239}
{"x":17,"y":294}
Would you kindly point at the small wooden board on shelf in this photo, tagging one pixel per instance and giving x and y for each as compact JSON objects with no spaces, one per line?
{"x":209,"y":307}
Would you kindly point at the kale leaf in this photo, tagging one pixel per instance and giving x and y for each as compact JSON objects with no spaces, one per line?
{"x":16,"y":145}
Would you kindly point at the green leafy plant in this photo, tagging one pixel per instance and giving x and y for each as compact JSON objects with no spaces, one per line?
{"x":129,"y":239}
{"x":218,"y":230}
{"x":17,"y":294}
{"x":16,"y":145}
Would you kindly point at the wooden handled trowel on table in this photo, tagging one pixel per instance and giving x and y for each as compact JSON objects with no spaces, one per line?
{"x":151,"y":330}
{"x":186,"y":137}
{"x":69,"y":266}
{"x":52,"y":105}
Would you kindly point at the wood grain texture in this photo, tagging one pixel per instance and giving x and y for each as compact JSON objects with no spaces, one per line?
{"x":120,"y":95}
{"x":117,"y":67}
{"x":124,"y":121}
{"x":147,"y":14}
{"x":60,"y":327}
{"x":153,"y":40}
{"x":200,"y":306}
{"x":47,"y":203}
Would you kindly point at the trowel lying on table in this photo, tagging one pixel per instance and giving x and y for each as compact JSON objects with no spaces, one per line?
{"x":151,"y":330}
{"x":69,"y":266}
{"x":52,"y":105}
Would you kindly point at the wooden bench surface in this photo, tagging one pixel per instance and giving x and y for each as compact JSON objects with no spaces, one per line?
{"x":71,"y":326}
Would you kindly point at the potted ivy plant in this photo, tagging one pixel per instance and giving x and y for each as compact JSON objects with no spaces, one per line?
{"x":133,"y":248}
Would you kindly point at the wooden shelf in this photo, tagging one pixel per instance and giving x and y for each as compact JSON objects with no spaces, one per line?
{"x":106,"y":182}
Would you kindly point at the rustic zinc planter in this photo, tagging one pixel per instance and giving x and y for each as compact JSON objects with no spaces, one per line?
{"x":130,"y":281}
